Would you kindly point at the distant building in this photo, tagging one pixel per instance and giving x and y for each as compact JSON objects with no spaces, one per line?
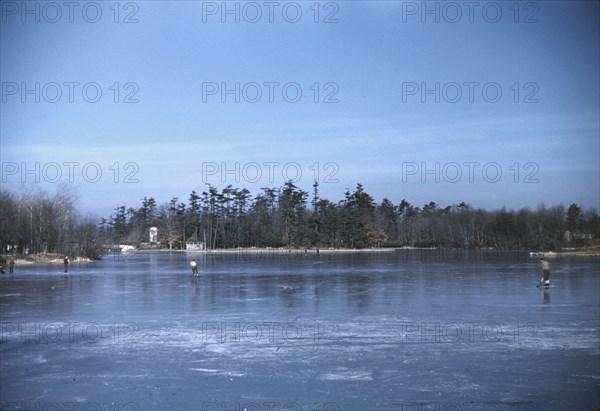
{"x":189,"y":246}
{"x":153,"y":235}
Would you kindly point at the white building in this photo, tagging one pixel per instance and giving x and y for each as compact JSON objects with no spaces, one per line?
{"x":189,"y":246}
{"x":153,"y":235}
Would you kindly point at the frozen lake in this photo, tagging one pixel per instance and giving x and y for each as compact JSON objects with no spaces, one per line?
{"x":419,"y":330}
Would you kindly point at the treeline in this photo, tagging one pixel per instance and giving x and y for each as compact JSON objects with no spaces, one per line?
{"x":35,"y":222}
{"x":290,"y":217}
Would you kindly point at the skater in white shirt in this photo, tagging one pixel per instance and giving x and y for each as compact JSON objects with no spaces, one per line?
{"x":194,"y":267}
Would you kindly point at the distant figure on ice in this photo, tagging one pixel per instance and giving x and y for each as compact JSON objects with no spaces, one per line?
{"x":11,"y":266}
{"x":66,"y":263}
{"x":546,"y":270}
{"x":194,"y":268}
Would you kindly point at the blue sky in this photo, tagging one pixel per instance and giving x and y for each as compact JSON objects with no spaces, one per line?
{"x":407,"y":100}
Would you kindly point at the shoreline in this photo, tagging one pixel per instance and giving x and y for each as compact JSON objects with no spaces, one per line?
{"x":267,"y":250}
{"x":254,"y":250}
{"x":44,"y":259}
{"x":54,"y":259}
{"x":582,"y":253}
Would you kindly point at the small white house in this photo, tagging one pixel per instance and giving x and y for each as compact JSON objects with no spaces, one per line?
{"x":190,"y":246}
{"x":153,"y":235}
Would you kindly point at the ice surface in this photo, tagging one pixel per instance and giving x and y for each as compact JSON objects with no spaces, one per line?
{"x":410,"y":330}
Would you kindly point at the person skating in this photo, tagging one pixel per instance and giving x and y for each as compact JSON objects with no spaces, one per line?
{"x":194,"y":267}
{"x":546,"y":271}
{"x":66,"y":263}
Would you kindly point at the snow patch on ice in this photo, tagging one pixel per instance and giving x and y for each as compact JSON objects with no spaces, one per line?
{"x":348,"y":375}
{"x":218,"y":372}
{"x":39,"y":360}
